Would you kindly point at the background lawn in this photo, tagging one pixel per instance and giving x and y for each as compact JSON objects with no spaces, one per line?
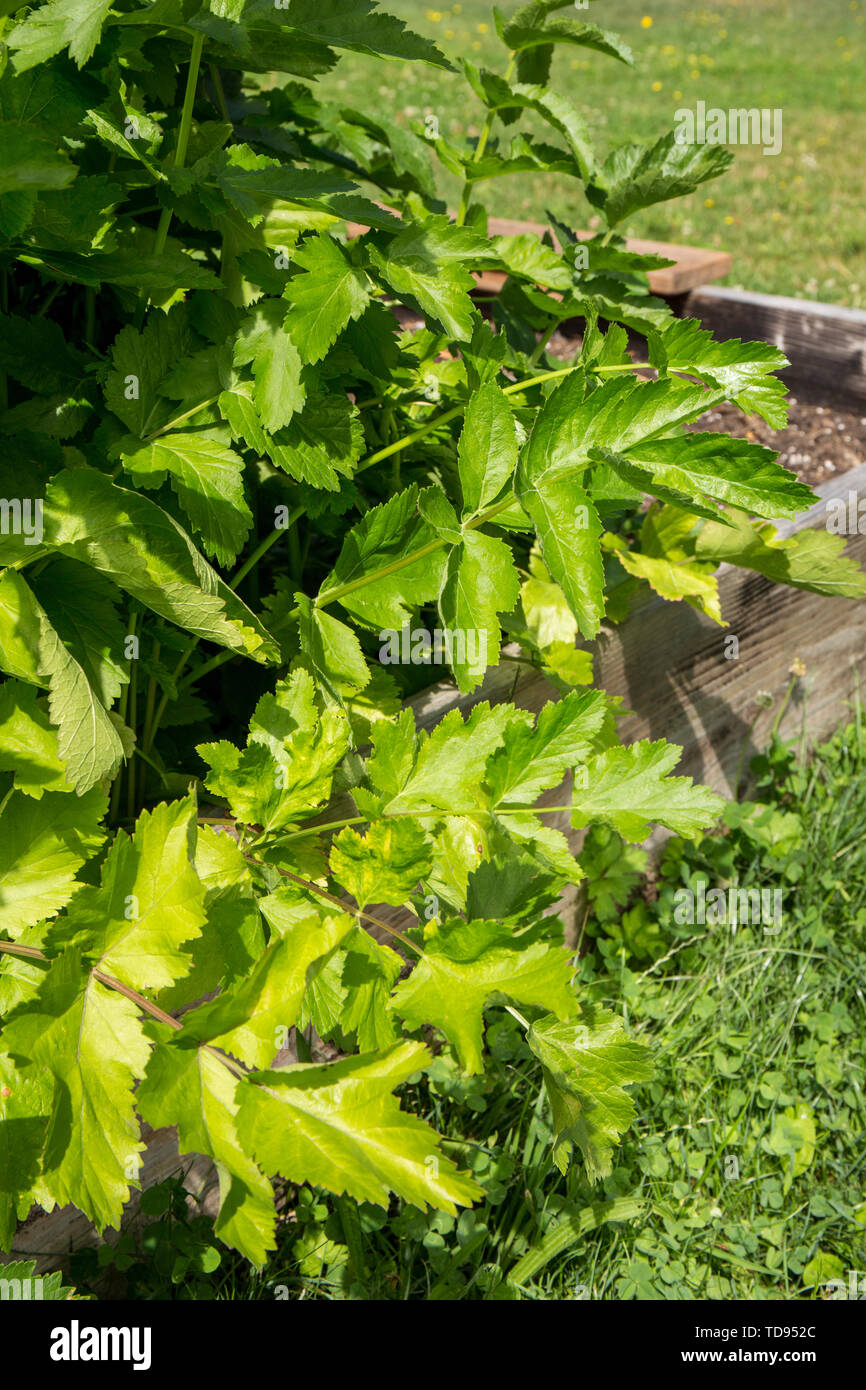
{"x":793,"y":223}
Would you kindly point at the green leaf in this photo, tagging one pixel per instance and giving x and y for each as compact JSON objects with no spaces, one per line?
{"x":134,"y":542}
{"x":509,"y":99}
{"x":718,"y":466}
{"x":524,"y":156}
{"x":372,"y":560}
{"x":637,"y":176}
{"x":208,"y":478}
{"x":286,"y":769}
{"x":333,"y":651}
{"x":88,"y":739}
{"x":20,"y":617}
{"x":480,"y":582}
{"x":25,"y":1103}
{"x":82,"y":608}
{"x":330,"y":294}
{"x":629,"y":788}
{"x":338,"y":1126}
{"x":28,"y":744}
{"x":191,"y":1088}
{"x":233,"y":937}
{"x":357,"y":25}
{"x":442,"y":770}
{"x":537,"y":758}
{"x":561,"y":1235}
{"x":133,"y":265}
{"x":149,"y":903}
{"x":467,"y":965}
{"x":91,"y":1040}
{"x":569,"y":531}
{"x":531,"y":27}
{"x":674,"y":577}
{"x":141,"y":362}
{"x":741,"y":369}
{"x":252,"y":182}
{"x":587,"y":1064}
{"x":36,"y":353}
{"x":528,"y":258}
{"x":43,"y":843}
{"x":30,"y":161}
{"x":383,"y":866}
{"x":265,"y":342}
{"x":321,"y":443}
{"x":427,"y":264}
{"x":370,"y":971}
{"x":250,"y":1017}
{"x":240,"y":414}
{"x":75,"y":24}
{"x":487,"y":448}
{"x":559,"y":112}
{"x":812,"y":560}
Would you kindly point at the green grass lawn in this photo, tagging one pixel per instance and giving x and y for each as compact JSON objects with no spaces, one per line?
{"x":793,"y":223}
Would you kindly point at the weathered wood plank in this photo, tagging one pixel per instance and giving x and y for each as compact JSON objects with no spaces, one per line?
{"x":826,"y":343}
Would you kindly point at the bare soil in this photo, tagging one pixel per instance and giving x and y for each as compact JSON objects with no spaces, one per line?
{"x":819,"y":441}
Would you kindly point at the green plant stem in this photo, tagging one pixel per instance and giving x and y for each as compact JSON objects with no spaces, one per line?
{"x":179,"y":419}
{"x":341,"y":904}
{"x":483,"y":138}
{"x":90,"y":316}
{"x":149,"y":703}
{"x":261,"y":549}
{"x":406,"y":440}
{"x":398,"y":815}
{"x":783,"y":706}
{"x":542,"y":343}
{"x":15,"y":948}
{"x":124,"y":701}
{"x":179,"y":153}
{"x":341,"y":590}
{"x":133,"y":712}
{"x":219,"y":93}
{"x":4,"y":308}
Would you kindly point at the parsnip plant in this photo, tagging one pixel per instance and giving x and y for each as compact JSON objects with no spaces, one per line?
{"x":219,"y":446}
